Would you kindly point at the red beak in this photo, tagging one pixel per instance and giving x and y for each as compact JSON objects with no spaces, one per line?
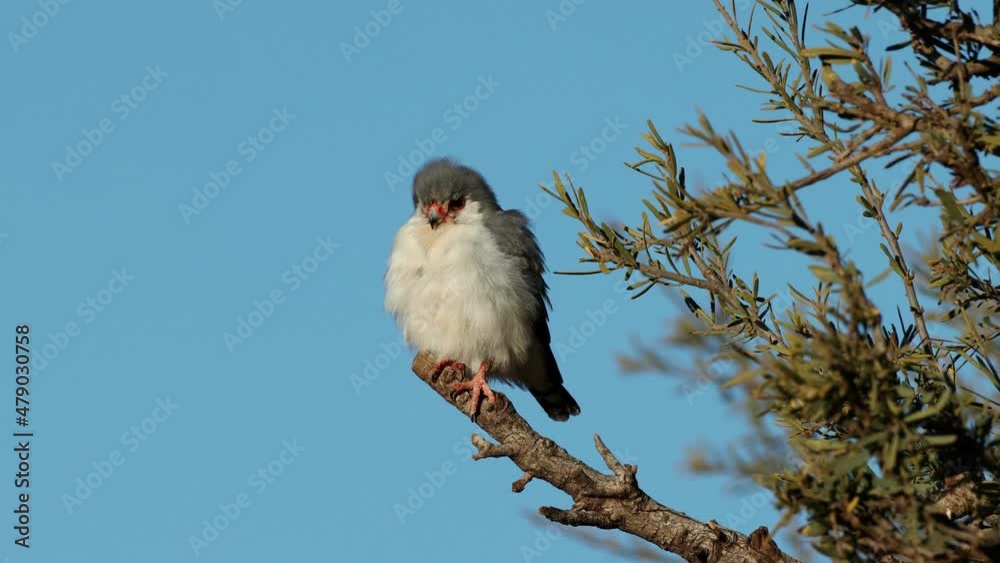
{"x":436,"y":214}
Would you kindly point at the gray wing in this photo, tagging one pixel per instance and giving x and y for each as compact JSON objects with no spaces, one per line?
{"x":513,"y":234}
{"x":540,"y":372}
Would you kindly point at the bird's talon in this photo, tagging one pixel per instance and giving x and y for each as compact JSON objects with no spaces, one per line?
{"x":477,"y":387}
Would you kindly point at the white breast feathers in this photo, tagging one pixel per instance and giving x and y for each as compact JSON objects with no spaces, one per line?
{"x":455,"y":293}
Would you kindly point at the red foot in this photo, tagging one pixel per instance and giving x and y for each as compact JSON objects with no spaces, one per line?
{"x":444,"y":363}
{"x":478,"y":386}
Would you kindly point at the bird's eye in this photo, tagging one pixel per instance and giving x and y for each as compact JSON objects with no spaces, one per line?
{"x":456,"y":203}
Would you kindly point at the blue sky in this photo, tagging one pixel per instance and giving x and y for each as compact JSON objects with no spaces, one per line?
{"x":178,"y":172}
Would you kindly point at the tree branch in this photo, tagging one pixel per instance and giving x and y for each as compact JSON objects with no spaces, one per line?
{"x":604,"y":501}
{"x":959,"y":499}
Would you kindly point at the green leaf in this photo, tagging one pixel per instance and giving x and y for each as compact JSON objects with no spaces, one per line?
{"x":886,"y":71}
{"x":893,"y":263}
{"x":941,"y":440}
{"x":943,"y":400}
{"x":823,"y":274}
{"x":889,"y":453}
{"x":849,"y":463}
{"x":832,"y":55}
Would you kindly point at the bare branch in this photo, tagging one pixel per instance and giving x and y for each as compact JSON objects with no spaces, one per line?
{"x":960,"y":498}
{"x":599,"y":500}
{"x":519,"y":485}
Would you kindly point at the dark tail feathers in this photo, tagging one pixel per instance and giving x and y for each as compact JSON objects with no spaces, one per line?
{"x":557,"y":402}
{"x":553,"y":397}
